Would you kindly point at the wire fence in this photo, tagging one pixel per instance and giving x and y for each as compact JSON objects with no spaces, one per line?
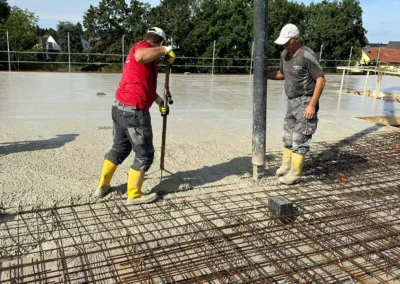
{"x":49,"y":57}
{"x":102,"y":62}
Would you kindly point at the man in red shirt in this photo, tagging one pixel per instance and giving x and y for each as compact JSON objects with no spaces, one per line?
{"x":131,"y":118}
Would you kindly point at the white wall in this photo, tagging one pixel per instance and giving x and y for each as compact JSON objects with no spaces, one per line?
{"x":85,"y":44}
{"x":51,"y":42}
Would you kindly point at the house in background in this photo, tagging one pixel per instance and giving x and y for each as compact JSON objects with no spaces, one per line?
{"x":85,"y":44}
{"x":49,"y":44}
{"x":387,"y":57}
{"x":393,"y":45}
{"x":377,"y":45}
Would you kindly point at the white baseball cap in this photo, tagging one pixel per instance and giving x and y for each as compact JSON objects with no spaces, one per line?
{"x":158,"y":31}
{"x":289,"y":31}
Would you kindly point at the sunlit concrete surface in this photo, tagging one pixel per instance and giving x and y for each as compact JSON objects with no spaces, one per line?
{"x":55,"y":129}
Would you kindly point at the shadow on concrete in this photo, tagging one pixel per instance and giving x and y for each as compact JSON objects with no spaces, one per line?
{"x":241,"y":166}
{"x":6,"y":217}
{"x":335,"y":159}
{"x":36,"y":145}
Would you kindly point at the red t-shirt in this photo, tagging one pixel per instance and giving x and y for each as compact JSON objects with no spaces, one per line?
{"x":139,"y":81}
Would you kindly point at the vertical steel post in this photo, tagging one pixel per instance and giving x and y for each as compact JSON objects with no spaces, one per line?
{"x":69,"y":56}
{"x":123,"y":51}
{"x":251,"y":59}
{"x":320,"y":53}
{"x":212,"y":70}
{"x":260,"y":87}
{"x":348,"y":65}
{"x":8,"y":51}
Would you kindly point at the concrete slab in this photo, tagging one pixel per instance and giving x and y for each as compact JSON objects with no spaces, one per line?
{"x":56,"y":129}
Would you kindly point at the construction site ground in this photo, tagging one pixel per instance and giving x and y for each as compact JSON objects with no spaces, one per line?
{"x":215,"y":225}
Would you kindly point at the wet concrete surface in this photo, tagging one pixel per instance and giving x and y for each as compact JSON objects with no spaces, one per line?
{"x":219,"y":105}
{"x":55,"y":129}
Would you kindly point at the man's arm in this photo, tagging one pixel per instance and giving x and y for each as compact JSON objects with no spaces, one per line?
{"x":275,"y":76}
{"x":149,"y":54}
{"x":159,"y":99}
{"x":319,"y":87}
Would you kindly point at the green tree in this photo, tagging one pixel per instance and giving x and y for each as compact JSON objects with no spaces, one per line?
{"x":5,"y":11}
{"x":280,"y":13}
{"x":21,"y":26}
{"x":227,"y":22}
{"x":136,"y":27}
{"x":106,"y":24}
{"x":194,"y":25}
{"x":337,"y":26}
{"x":75,"y":34}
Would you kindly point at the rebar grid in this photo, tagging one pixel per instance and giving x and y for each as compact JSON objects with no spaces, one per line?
{"x":346,"y":230}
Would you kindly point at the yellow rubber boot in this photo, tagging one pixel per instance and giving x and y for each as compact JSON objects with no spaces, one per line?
{"x":286,"y":162}
{"x":294,"y":174}
{"x":107,"y":173}
{"x":134,"y":191}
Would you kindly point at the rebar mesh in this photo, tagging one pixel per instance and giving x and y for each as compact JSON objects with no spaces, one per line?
{"x":346,"y":230}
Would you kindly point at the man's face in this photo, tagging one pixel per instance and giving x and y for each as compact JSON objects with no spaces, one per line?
{"x":291,"y":44}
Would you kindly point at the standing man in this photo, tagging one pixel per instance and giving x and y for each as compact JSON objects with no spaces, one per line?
{"x":131,"y":118}
{"x":304,"y":83}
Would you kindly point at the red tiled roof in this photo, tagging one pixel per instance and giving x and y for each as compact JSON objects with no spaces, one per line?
{"x":387,"y":55}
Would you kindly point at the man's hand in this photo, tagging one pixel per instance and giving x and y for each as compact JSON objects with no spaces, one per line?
{"x":169,"y":54}
{"x":309,"y":112}
{"x":164,"y":110}
{"x":275,"y":76}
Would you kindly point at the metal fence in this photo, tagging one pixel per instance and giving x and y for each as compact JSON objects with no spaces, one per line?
{"x":71,"y":62}
{"x":43,"y":60}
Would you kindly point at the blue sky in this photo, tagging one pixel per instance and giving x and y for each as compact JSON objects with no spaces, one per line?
{"x":381,"y":17}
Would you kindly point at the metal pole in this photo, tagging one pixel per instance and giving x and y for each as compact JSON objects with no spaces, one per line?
{"x":378,"y":58}
{"x":365,"y":86}
{"x":212,"y":71}
{"x":260,"y":87}
{"x":8,"y":51}
{"x":341,"y":84}
{"x":123,"y":51}
{"x":348,"y":65}
{"x":69,"y":56}
{"x":320,"y":53}
{"x":251,"y":59}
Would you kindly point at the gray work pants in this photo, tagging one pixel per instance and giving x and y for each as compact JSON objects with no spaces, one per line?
{"x":298,"y":130}
{"x":132,"y":131}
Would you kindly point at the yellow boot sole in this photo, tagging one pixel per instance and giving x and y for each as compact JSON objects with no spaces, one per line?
{"x":147,"y":198}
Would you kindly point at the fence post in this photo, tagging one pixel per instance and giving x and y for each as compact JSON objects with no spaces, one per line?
{"x":251,"y":59}
{"x":379,"y":57}
{"x":348,"y":65}
{"x":320,"y":53}
{"x":8,"y":51}
{"x":212,"y":71}
{"x":69,"y":56}
{"x":123,"y":51}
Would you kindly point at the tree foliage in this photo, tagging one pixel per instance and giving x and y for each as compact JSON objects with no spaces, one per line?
{"x":21,"y":26}
{"x":194,"y":26}
{"x":5,"y":11}
{"x":75,"y":34}
{"x":337,"y":26}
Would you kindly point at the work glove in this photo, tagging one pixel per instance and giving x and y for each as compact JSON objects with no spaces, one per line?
{"x":164,"y":110}
{"x":169,"y":54}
